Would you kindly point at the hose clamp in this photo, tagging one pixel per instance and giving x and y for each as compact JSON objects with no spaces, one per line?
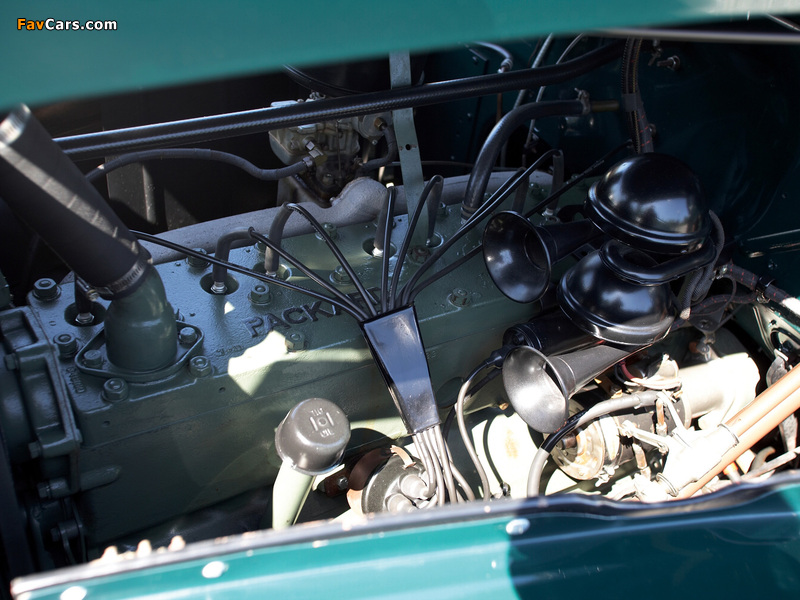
{"x":128,"y":283}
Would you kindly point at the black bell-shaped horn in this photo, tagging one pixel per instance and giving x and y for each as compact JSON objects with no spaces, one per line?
{"x":539,"y":387}
{"x":613,"y":308}
{"x":652,"y":202}
{"x":519,"y":256}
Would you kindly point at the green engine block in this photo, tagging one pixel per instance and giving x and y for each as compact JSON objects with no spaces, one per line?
{"x":202,"y":430}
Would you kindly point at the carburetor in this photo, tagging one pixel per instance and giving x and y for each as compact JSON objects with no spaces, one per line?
{"x":333,"y":145}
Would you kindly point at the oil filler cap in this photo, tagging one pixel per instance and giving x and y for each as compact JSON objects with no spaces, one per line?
{"x":313,"y":435}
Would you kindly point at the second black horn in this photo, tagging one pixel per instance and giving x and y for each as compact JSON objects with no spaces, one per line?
{"x":519,"y":256}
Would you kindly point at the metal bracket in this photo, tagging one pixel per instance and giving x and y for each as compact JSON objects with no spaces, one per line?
{"x":407,"y":145}
{"x":630,"y":430}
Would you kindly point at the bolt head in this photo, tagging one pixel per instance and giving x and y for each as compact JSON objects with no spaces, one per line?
{"x":459,"y":297}
{"x":329,"y":228}
{"x":35,"y":449}
{"x":295,"y":341}
{"x":116,"y":390}
{"x":196,"y":262}
{"x":84,"y":318}
{"x":187,"y":336}
{"x":11,"y":362}
{"x":260,"y":294}
{"x":45,"y":289}
{"x":93,"y":359}
{"x":67,"y":345}
{"x":419,"y":254}
{"x":200,"y":366}
{"x":340,"y":276}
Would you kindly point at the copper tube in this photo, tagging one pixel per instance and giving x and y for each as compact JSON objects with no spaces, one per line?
{"x":751,"y":414}
{"x":755,"y":421}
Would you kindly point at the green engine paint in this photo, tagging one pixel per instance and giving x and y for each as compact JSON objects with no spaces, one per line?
{"x":197,"y":436}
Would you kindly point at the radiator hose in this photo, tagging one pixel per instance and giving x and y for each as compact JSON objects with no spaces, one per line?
{"x":46,"y":190}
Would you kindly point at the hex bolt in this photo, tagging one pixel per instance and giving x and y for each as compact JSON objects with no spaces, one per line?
{"x":53,"y":489}
{"x":330,"y":229}
{"x":11,"y":361}
{"x":419,"y":254}
{"x":261,"y":247}
{"x":67,"y":345}
{"x":43,"y":489}
{"x":86,"y":318}
{"x":196,"y":262}
{"x":260,"y":294}
{"x":342,"y":483}
{"x":340,"y":276}
{"x":295,"y":341}
{"x":200,"y":366}
{"x":569,"y":441}
{"x":93,"y":359}
{"x":459,"y":297}
{"x":187,"y":336}
{"x":45,"y":289}
{"x":35,"y":449}
{"x":116,"y":390}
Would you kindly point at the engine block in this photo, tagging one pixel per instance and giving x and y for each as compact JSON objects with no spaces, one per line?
{"x":203,"y":432}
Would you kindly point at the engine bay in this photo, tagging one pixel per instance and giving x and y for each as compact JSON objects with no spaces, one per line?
{"x":457,"y":281}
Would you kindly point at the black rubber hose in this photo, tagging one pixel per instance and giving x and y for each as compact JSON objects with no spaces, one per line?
{"x":345,"y":307}
{"x":433,"y":202}
{"x":434,"y":183}
{"x":386,"y":159}
{"x":369,"y":299}
{"x":223,"y":251}
{"x":632,"y":98}
{"x":508,"y":59}
{"x":785,"y":304}
{"x":626,"y":402}
{"x":752,"y":281}
{"x":328,"y":287}
{"x":444,"y":272}
{"x":83,"y":305}
{"x":386,"y":247}
{"x":384,"y":223}
{"x":479,"y":178}
{"x":708,"y":273}
{"x":496,"y":199}
{"x":203,"y":129}
{"x":197,"y":154}
{"x":47,"y":191}
{"x":275,"y":235}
